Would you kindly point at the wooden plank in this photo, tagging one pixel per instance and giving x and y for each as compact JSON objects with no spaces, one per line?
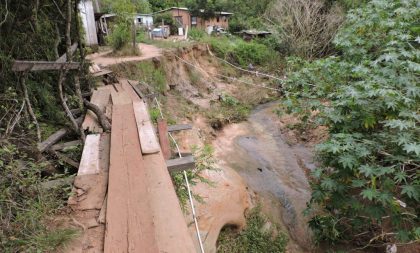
{"x":127,"y":88}
{"x":67,"y":160}
{"x":66,"y":145}
{"x":130,"y":226}
{"x":137,"y":89}
{"x":141,"y":236}
{"x":63,"y":58}
{"x":116,"y":232}
{"x":20,"y":66}
{"x":163,"y":138}
{"x":171,"y":229}
{"x":180,"y":164}
{"x":120,"y":98}
{"x":52,"y":139}
{"x":149,"y":144}
{"x":89,"y":163}
{"x":104,"y":150}
{"x":179,"y":127}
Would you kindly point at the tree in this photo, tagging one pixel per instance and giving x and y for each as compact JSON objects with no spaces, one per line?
{"x":367,"y":188}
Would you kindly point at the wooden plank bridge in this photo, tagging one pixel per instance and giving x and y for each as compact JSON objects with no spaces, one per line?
{"x":123,"y":177}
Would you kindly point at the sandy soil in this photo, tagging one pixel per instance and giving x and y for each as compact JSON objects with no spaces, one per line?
{"x":102,"y":59}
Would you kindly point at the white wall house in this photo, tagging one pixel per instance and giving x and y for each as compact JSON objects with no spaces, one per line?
{"x":88,"y":18}
{"x":144,"y":20}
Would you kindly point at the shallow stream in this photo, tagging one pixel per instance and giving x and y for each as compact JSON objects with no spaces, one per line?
{"x":273,"y":169}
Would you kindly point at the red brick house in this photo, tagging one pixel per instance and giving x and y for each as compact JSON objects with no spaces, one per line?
{"x":183,"y":18}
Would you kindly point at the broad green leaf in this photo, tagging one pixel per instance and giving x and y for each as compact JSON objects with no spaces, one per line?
{"x":370,"y":194}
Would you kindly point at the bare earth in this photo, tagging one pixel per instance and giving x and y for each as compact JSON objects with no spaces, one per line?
{"x":147,"y":52}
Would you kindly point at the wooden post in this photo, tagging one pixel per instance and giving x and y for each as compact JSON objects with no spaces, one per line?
{"x":163,"y":138}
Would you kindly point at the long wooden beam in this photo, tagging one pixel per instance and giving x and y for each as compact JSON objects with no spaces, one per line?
{"x":179,"y":127}
{"x":20,"y":66}
{"x":180,"y":164}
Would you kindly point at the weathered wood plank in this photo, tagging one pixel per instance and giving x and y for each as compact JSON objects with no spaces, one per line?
{"x":127,"y":88}
{"x":179,"y":127}
{"x":116,"y":232}
{"x":52,"y":139}
{"x":130,"y":223}
{"x":148,"y":141}
{"x":63,"y":58}
{"x":172,"y":232}
{"x":67,"y":160}
{"x":163,"y":138}
{"x":137,"y":89}
{"x":65,"y":145}
{"x":89,"y":163}
{"x":180,"y":164}
{"x":141,"y":232}
{"x":20,"y":66}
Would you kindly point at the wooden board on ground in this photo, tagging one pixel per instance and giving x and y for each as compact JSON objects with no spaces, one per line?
{"x":129,"y":218}
{"x":179,"y":127}
{"x":163,"y":138}
{"x":66,"y":145}
{"x":121,"y":97}
{"x":52,"y":139}
{"x":127,"y":88}
{"x":89,"y":163}
{"x":100,"y":98}
{"x":180,"y":164}
{"x":172,"y":232}
{"x":146,"y":132}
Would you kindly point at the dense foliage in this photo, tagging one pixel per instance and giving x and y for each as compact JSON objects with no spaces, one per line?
{"x":368,"y":186}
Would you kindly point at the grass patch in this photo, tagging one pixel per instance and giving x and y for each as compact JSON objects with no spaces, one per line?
{"x":229,"y":111}
{"x":25,"y":207}
{"x":257,"y":237}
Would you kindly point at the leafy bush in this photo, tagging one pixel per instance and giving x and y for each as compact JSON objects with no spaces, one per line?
{"x":229,"y":111}
{"x":196,"y":34}
{"x":119,"y":37}
{"x":241,"y":52}
{"x":367,"y":184}
{"x":250,"y":52}
{"x":255,"y":238}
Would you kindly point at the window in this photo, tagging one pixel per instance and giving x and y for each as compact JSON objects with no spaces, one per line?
{"x":193,"y":21}
{"x":140,"y":20}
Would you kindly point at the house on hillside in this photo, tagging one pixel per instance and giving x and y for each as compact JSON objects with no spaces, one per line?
{"x":145,"y":20}
{"x":184,"y":19}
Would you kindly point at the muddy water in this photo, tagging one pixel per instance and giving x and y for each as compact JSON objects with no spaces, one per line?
{"x":257,"y":150}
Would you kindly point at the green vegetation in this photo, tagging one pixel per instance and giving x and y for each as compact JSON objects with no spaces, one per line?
{"x":119,"y":37}
{"x":204,"y":160}
{"x":152,"y":76}
{"x":240,"y":52}
{"x":229,"y":111}
{"x":257,"y":237}
{"x":367,"y":188}
{"x":25,"y":206}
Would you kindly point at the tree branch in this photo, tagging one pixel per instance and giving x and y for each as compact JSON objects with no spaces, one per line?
{"x":99,"y":114}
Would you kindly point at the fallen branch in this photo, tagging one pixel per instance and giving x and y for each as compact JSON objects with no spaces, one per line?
{"x":28,"y":104}
{"x":106,"y":126}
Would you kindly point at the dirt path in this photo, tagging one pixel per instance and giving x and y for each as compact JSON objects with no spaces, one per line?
{"x":147,"y":52}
